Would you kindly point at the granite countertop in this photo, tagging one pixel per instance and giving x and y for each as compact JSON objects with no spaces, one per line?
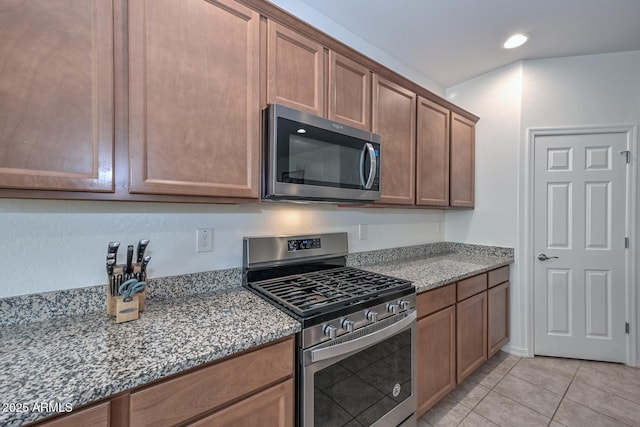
{"x":80,"y":359}
{"x":77,"y":358}
{"x":434,"y":271}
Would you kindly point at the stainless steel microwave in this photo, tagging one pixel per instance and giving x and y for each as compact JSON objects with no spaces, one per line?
{"x":310,"y":158}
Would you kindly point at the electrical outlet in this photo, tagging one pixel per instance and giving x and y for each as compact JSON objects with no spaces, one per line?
{"x":204,"y":240}
{"x":362,"y":231}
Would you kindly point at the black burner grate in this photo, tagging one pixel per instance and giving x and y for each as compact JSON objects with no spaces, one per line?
{"x":308,"y":294}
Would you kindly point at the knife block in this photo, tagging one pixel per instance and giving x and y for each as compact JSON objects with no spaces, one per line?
{"x":114,"y":299}
{"x":127,"y":310}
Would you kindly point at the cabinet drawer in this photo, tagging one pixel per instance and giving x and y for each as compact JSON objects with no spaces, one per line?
{"x":471,"y":286}
{"x":435,"y":300}
{"x":95,"y":416}
{"x":499,"y":275}
{"x":187,"y":396}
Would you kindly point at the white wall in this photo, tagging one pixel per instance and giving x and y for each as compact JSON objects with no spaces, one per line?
{"x":306,"y":13}
{"x":496,"y":98}
{"x":574,"y":91}
{"x":51,"y":245}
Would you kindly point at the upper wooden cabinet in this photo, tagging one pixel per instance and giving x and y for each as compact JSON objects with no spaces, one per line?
{"x":432,"y":145}
{"x":394,"y":118}
{"x":349,"y":92}
{"x":462,"y":182}
{"x":295,"y":70}
{"x":56,"y":95}
{"x":194,"y":110}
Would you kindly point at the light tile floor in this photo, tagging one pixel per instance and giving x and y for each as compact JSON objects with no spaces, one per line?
{"x":541,"y":391}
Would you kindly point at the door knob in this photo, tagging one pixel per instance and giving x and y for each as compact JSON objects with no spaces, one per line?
{"x":543,"y":257}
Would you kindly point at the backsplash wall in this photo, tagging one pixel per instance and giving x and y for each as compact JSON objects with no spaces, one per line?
{"x":53,"y":245}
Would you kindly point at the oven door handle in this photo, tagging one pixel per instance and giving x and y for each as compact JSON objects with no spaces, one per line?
{"x":362,"y":342}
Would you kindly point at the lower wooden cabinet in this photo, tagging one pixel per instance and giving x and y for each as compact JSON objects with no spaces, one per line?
{"x":436,"y":351}
{"x":93,"y":416}
{"x":471,"y":334}
{"x":199,"y":393}
{"x":271,"y":407}
{"x":498,"y":322}
{"x":436,"y":346}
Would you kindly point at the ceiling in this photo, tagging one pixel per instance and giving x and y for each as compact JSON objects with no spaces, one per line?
{"x":451,"y":41}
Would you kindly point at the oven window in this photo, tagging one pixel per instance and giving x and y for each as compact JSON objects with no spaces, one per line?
{"x":361,"y":389}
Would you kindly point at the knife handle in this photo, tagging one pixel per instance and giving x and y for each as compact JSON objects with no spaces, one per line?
{"x":129,"y":259}
{"x":142,"y":246}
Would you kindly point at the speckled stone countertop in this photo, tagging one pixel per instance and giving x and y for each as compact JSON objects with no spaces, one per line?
{"x":434,"y":271}
{"x":80,"y":359}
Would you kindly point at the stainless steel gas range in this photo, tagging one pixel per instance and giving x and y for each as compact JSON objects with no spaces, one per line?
{"x":356,"y":350}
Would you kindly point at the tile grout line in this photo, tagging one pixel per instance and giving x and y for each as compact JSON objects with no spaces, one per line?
{"x":490,"y":390}
{"x":595,"y":387}
{"x":565,"y":394}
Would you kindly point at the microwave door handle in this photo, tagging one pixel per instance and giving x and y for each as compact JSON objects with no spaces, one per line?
{"x":373,"y":164}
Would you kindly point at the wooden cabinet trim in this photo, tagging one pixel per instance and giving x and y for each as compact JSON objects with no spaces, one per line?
{"x":436,"y":299}
{"x":497,"y":276}
{"x":212,"y":387}
{"x":471,"y":286}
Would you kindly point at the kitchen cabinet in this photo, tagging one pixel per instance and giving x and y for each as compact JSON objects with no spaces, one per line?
{"x":56,"y":95}
{"x":498,"y":310}
{"x":93,"y":416}
{"x":394,"y":118}
{"x":471,"y":325}
{"x":194,"y":110}
{"x":462,"y":176}
{"x":436,"y":346}
{"x":271,"y":407}
{"x":432,"y":145}
{"x":349,"y":92}
{"x":230,"y":392}
{"x":295,"y":70}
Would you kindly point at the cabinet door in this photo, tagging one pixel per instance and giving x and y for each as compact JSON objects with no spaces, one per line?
{"x":462,"y":161}
{"x":95,"y":416}
{"x":394,"y":118}
{"x":432,"y":145}
{"x":349,"y":92}
{"x":471,"y":334}
{"x":498,"y":322}
{"x":436,"y":357}
{"x":193,"y":98}
{"x":56,"y":95}
{"x":273,"y":407}
{"x":295,"y":70}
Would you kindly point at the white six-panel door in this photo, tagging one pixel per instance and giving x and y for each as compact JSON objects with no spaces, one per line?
{"x":579,"y":217}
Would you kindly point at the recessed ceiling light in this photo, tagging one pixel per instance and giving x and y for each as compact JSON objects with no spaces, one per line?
{"x":515,"y":40}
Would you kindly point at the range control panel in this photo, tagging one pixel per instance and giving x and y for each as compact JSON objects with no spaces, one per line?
{"x":302,"y":244}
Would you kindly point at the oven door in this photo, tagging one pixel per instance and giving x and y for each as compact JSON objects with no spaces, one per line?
{"x":365,"y":381}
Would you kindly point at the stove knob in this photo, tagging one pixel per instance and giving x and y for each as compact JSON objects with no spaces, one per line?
{"x":404,"y":305}
{"x":372,"y":316}
{"x":348,"y":325}
{"x":330,"y":331}
{"x":392,"y":308}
